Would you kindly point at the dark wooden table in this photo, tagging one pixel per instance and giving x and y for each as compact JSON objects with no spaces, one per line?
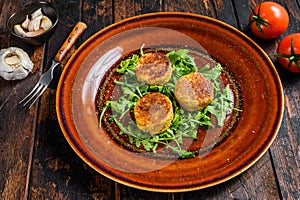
{"x":38,"y":163}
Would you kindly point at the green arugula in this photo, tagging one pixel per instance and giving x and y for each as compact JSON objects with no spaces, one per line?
{"x":182,"y":62}
{"x":128,"y":65}
{"x":184,"y":124}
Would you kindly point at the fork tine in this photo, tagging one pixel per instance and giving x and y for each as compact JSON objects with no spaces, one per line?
{"x":34,"y":93}
{"x":29,"y":94}
{"x":42,"y":89}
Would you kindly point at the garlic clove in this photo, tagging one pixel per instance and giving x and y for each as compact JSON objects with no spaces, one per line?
{"x":38,"y":24}
{"x":19,"y":30}
{"x":36,"y":13}
{"x":25,"y":23}
{"x":13,"y":59}
{"x":34,"y":33}
{"x":46,"y":23}
{"x":14,"y":63}
{"x":34,"y":24}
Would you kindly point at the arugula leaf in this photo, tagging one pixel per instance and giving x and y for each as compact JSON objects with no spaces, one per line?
{"x":107,"y":105}
{"x":119,"y":106}
{"x":182,"y":62}
{"x":211,"y":74}
{"x":220,"y":105}
{"x":182,"y":153}
{"x":128,"y":65}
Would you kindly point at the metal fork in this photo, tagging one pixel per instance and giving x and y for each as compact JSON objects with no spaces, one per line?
{"x":47,"y":77}
{"x":40,"y":87}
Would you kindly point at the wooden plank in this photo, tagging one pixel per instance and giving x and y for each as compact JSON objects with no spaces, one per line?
{"x":205,"y":7}
{"x":97,"y":15}
{"x":127,"y":193}
{"x":243,"y":9}
{"x":293,"y":7}
{"x":285,"y":149}
{"x":17,"y":135}
{"x":4,"y":39}
{"x":17,"y":125}
{"x":57,"y":172}
{"x":285,"y":154}
{"x":220,"y":9}
{"x":257,"y":182}
{"x":225,"y":12}
{"x":124,"y":9}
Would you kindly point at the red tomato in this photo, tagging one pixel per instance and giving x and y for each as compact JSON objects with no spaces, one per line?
{"x":269,"y":20}
{"x":288,"y":52}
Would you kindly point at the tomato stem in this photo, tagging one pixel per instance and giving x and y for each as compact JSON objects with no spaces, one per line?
{"x":293,"y":58}
{"x":259,"y":20}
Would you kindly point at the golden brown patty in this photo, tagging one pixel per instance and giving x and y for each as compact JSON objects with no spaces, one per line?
{"x":193,"y":91}
{"x":153,"y":113}
{"x":154,"y":68}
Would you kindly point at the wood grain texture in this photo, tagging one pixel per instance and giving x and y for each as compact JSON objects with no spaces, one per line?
{"x":285,"y":150}
{"x":286,"y":147}
{"x":17,"y":126}
{"x":225,"y":12}
{"x":56,"y":169}
{"x":38,"y":163}
{"x":58,"y":173}
{"x":124,"y":8}
{"x":97,"y":14}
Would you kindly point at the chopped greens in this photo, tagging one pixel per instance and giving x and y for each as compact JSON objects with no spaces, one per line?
{"x":184,"y":124}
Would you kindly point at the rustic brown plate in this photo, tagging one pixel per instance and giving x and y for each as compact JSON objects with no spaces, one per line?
{"x":249,"y":66}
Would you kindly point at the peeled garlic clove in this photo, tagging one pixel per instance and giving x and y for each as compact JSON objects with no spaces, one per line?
{"x":34,"y":33}
{"x":46,"y":23}
{"x":14,"y":63}
{"x":26,"y":22}
{"x":36,"y":13}
{"x":19,"y":30}
{"x":34,"y":24}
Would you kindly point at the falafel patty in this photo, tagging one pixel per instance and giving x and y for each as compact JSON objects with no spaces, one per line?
{"x":153,"y":113}
{"x":154,"y":68}
{"x":193,"y":91}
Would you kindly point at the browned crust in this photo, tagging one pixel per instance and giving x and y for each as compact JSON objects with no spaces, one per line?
{"x":154,"y":68}
{"x":193,"y":91}
{"x":153,"y":113}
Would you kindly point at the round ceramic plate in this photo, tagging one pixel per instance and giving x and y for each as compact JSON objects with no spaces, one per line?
{"x":259,"y":95}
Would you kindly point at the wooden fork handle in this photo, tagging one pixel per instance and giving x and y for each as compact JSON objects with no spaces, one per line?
{"x":73,"y":36}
